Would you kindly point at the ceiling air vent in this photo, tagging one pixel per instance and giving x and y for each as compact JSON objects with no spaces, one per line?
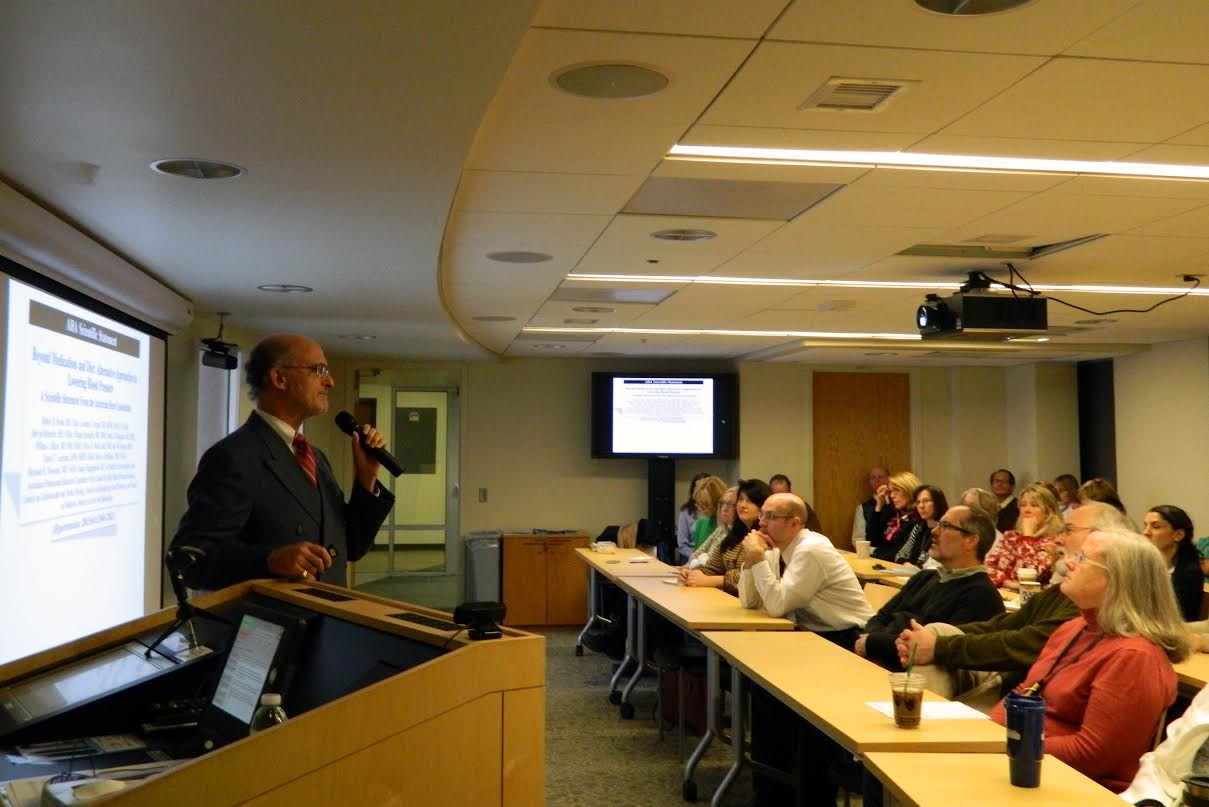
{"x":855,"y":94}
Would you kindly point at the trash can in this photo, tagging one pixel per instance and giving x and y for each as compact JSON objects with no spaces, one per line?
{"x":483,"y":565}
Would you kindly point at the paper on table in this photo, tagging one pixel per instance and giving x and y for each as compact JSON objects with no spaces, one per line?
{"x":933,"y":710}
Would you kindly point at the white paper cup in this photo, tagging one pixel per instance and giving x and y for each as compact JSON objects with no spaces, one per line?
{"x":1027,"y":589}
{"x":863,"y":549}
{"x":1025,"y":573}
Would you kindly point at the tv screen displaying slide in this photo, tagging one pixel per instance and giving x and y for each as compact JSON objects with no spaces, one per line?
{"x":638,"y":415}
{"x":81,"y":469}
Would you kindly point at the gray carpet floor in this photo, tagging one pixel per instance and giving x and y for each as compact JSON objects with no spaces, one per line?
{"x":594,"y":757}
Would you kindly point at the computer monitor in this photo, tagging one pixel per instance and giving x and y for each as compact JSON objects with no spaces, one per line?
{"x":248,"y":666}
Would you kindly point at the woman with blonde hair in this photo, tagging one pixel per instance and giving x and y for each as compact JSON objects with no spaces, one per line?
{"x":706,"y":497}
{"x":1106,"y":675}
{"x":1031,"y":545}
{"x":893,"y":515}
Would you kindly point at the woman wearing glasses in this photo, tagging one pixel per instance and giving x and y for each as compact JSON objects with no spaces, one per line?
{"x":1031,"y":545}
{"x":893,"y":515}
{"x":726,"y":557}
{"x":1106,"y":675}
{"x":930,"y":505}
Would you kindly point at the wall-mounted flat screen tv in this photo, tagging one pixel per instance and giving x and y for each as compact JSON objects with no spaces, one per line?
{"x":665,"y":415}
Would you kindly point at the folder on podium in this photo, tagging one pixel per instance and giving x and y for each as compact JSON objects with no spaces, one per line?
{"x":382,"y":708}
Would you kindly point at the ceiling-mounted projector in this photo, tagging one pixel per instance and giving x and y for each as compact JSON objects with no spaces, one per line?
{"x":975,"y":313}
{"x":217,"y":353}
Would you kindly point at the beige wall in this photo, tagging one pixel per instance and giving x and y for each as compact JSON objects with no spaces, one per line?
{"x":1162,"y":413}
{"x":525,"y":431}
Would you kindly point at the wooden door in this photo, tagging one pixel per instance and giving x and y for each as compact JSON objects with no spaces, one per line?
{"x":524,"y":582}
{"x":566,"y":582}
{"x":860,"y":420}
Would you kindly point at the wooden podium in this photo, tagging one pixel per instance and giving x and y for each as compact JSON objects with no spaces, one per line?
{"x":467,"y":727}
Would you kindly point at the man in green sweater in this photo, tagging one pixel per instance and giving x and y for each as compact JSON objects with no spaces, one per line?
{"x":958,"y":592}
{"x":987,"y":657}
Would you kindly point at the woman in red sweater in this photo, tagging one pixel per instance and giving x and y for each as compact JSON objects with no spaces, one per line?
{"x":1106,"y":676}
{"x":1031,"y":545}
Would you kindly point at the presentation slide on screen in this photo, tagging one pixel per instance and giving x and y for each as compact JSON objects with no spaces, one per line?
{"x":73,"y":471}
{"x":663,"y":415}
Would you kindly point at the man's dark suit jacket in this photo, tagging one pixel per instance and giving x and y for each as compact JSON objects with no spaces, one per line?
{"x":250,"y":496}
{"x":1008,"y":516}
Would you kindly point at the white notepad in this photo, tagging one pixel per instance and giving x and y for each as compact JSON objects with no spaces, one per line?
{"x":934,"y":710}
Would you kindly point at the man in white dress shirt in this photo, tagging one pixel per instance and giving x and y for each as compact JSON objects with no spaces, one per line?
{"x":798,"y":574}
{"x":795,"y":573}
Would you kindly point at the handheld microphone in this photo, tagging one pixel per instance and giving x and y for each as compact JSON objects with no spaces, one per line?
{"x":349,"y":425}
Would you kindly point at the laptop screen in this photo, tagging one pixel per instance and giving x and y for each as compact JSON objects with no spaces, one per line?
{"x":248,"y":666}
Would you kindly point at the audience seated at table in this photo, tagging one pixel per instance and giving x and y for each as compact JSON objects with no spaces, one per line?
{"x":975,"y":661}
{"x":686,"y":517}
{"x":1099,"y":489}
{"x":1159,"y":780}
{"x":1067,"y":487}
{"x":878,"y":476}
{"x":986,"y":501}
{"x":798,"y":574}
{"x":893,"y":515}
{"x":725,"y":562}
{"x":1170,"y":529}
{"x":725,"y":518}
{"x":1031,"y":543}
{"x":709,"y":492}
{"x":1106,"y":675}
{"x":929,"y":503}
{"x":958,"y":592}
{"x":1003,"y":484}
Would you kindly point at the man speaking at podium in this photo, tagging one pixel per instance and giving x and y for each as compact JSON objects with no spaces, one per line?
{"x":266,"y":504}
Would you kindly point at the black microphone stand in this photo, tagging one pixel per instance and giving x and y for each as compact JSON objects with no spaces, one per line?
{"x":177,"y":561}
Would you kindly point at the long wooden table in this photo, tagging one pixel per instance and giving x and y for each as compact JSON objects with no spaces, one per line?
{"x":1193,"y":674}
{"x":694,"y":609}
{"x":830,"y":688}
{"x":889,"y":572}
{"x":620,"y":563}
{"x":942,"y":780}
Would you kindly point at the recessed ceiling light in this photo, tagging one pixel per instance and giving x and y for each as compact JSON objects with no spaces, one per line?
{"x":285,"y":288}
{"x":580,"y":321}
{"x":357,"y":337}
{"x":934,"y":162}
{"x":593,"y":309}
{"x":969,"y":8}
{"x":197,"y":169}
{"x":519,"y":256}
{"x":493,"y":318}
{"x":683,"y":234}
{"x":608,"y":80}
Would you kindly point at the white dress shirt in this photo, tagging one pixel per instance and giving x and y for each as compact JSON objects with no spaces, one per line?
{"x":1162,"y":769}
{"x":818,"y":590}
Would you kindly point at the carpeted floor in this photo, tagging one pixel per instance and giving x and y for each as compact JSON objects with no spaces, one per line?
{"x":593,"y":757}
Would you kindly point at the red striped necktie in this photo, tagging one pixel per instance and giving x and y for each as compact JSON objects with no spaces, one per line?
{"x":306,"y":457}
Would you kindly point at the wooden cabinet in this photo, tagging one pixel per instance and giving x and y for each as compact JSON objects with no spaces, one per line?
{"x":544,"y":583}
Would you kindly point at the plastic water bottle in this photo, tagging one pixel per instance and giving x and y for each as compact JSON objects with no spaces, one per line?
{"x":268,"y":714}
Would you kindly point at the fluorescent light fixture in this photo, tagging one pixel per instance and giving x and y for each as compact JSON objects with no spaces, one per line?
{"x":943,"y":162}
{"x":718,"y":280}
{"x":906,"y":337}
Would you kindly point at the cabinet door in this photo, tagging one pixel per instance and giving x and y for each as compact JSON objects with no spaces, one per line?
{"x":524,"y":581}
{"x":566,"y":582}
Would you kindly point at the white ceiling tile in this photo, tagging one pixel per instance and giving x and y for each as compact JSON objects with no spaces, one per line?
{"x":1155,"y":30}
{"x":1132,"y":186}
{"x":757,"y":172}
{"x":1041,"y":28}
{"x":724,"y":18}
{"x":626,"y":246}
{"x":553,"y":314}
{"x":947,"y":143}
{"x":894,"y":206}
{"x":1052,"y":216}
{"x":1091,"y":99}
{"x":808,"y":248}
{"x":532,"y":126}
{"x":769,"y":137}
{"x":532,"y":192}
{"x":780,"y":76}
{"x":1124,"y":259}
{"x":962,"y":180}
{"x":1193,"y":224}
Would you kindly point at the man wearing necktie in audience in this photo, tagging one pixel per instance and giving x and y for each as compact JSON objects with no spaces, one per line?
{"x":264,"y":503}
